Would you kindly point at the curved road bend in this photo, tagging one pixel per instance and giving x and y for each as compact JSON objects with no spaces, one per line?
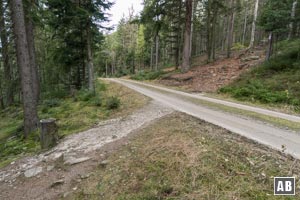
{"x":263,"y":133}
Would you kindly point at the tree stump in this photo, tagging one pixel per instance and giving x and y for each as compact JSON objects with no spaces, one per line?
{"x":49,"y":133}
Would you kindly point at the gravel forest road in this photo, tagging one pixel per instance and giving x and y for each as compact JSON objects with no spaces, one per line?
{"x":274,"y":137}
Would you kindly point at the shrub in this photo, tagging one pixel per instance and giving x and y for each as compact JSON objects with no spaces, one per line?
{"x":96,"y":101}
{"x":85,"y":95}
{"x":142,"y":75}
{"x":113,"y":103}
{"x":51,"y":103}
{"x":238,"y":46}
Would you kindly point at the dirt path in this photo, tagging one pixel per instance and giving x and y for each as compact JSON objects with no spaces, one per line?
{"x":280,"y":139}
{"x":55,"y":173}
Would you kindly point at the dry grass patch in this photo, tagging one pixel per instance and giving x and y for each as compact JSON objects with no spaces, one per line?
{"x":180,"y":157}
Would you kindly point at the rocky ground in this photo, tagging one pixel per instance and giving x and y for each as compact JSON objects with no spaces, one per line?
{"x":73,"y":160}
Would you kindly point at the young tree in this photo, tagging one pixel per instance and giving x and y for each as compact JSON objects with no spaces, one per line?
{"x":5,"y":57}
{"x":254,"y":24}
{"x":274,"y":19}
{"x":23,"y":58}
{"x":230,"y":28}
{"x":292,"y":23}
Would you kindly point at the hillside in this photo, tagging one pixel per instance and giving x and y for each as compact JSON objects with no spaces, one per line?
{"x":210,"y":77}
{"x":274,"y":82}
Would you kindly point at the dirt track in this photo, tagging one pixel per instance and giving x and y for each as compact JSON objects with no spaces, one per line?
{"x":274,"y":137}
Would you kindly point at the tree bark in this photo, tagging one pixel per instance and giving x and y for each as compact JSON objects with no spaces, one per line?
{"x":186,"y":60}
{"x":270,"y":48}
{"x":5,"y":57}
{"x":194,"y":7}
{"x":156,"y":51}
{"x":31,"y":48}
{"x":178,"y":38}
{"x":245,"y":26}
{"x":151,"y":57}
{"x":254,"y":25}
{"x":230,"y":29}
{"x":49,"y":133}
{"x":23,"y":59}
{"x":90,"y":60}
{"x":293,"y":13}
{"x":209,"y":34}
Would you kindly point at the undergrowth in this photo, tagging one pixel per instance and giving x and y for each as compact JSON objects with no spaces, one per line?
{"x":74,"y":113}
{"x":274,"y":82}
{"x":147,"y":75}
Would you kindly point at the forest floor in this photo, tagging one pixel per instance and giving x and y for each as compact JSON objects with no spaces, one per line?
{"x":210,"y":77}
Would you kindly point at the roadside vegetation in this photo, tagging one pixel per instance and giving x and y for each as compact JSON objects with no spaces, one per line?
{"x":276,"y":81}
{"x":74,"y":114}
{"x":147,"y":75}
{"x":180,"y":157}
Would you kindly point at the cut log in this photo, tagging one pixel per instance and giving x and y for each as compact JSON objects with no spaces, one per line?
{"x":49,"y":133}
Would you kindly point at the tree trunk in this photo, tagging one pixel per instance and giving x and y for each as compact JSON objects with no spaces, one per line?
{"x":5,"y":57}
{"x":254,"y":25}
{"x":151,"y":57}
{"x":293,"y":13}
{"x":245,"y":26}
{"x":192,"y":25}
{"x":49,"y":133}
{"x":156,"y":51}
{"x":31,"y":48}
{"x":230,"y":29}
{"x":178,"y":38}
{"x":209,"y":33}
{"x":90,"y":59}
{"x":23,"y":59}
{"x":186,"y":60}
{"x":270,"y":48}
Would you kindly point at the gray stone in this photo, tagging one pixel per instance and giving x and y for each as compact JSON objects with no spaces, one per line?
{"x":104,"y":163}
{"x":73,"y":161}
{"x":33,"y":172}
{"x":66,"y":194}
{"x":58,"y":182}
{"x":50,"y":168}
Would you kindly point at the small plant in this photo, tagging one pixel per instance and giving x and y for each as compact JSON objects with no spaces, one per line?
{"x":51,"y":103}
{"x":85,"y":95}
{"x":152,"y":75}
{"x":238,"y":46}
{"x":113,"y":103}
{"x":96,"y":101}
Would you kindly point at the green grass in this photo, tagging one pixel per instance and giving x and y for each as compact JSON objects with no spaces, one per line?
{"x":73,"y":114}
{"x":180,"y":157}
{"x":274,"y":82}
{"x":269,"y":119}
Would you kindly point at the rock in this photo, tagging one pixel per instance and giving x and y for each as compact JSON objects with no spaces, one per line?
{"x":50,"y":168}
{"x":33,"y":172}
{"x":58,"y":182}
{"x":250,"y":58}
{"x":85,"y":176}
{"x":104,"y":163}
{"x":66,"y":194}
{"x":73,"y":161}
{"x":114,"y":137}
